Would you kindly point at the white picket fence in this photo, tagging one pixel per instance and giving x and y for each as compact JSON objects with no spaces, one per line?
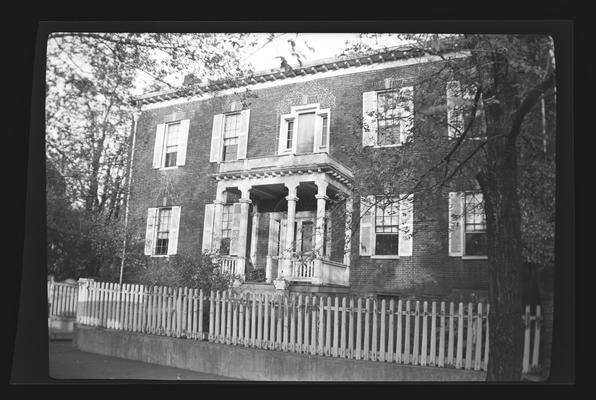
{"x":62,"y":300}
{"x":405,"y":332}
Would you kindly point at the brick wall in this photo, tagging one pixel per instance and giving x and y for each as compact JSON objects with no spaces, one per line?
{"x":430,"y":270}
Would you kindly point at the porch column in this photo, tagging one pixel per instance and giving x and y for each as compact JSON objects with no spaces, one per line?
{"x":286,"y":269}
{"x":348,"y":235}
{"x":217,"y":210}
{"x":320,"y":229}
{"x":253,"y":235}
{"x":243,"y":231}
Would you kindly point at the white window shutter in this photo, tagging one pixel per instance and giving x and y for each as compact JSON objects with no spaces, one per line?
{"x":234,"y":248}
{"x":369,"y":118}
{"x":456,"y":224}
{"x":182,"y":142}
{"x":243,"y":134}
{"x":367,"y":210}
{"x":455,"y":118}
{"x":406,"y":226}
{"x":283,"y":134}
{"x":158,"y":148}
{"x":150,"y":232}
{"x":174,"y":229}
{"x":216,"y":140}
{"x":407,"y":113}
{"x":208,"y":228}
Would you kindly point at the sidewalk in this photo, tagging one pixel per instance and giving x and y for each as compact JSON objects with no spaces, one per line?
{"x":68,"y":363}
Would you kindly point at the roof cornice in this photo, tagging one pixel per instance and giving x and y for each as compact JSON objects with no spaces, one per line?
{"x":311,"y":68}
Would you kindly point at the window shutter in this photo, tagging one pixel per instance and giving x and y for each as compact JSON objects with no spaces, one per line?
{"x":150,"y":232}
{"x":406,"y":226}
{"x":456,"y":224}
{"x":319,"y":130}
{"x":208,"y":228}
{"x":407,"y":113}
{"x":369,"y":118}
{"x":243,"y":134}
{"x":235,"y":231}
{"x":455,"y":118}
{"x":283,"y":134}
{"x":182,"y":142}
{"x":367,"y":210}
{"x":158,"y":149}
{"x":215,"y":155}
{"x":174,"y":228}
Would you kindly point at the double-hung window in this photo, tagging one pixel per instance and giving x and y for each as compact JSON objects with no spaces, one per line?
{"x":230,"y":136}
{"x":227,"y":216}
{"x":475,"y":243}
{"x":460,"y":103}
{"x":387,"y":117}
{"x":386,"y":226}
{"x":467,"y":225}
{"x":163,"y":231}
{"x":171,"y":144}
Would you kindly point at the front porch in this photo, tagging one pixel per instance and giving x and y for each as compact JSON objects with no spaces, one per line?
{"x":292,"y":223}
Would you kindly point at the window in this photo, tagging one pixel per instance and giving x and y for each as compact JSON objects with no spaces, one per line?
{"x":475,"y":243}
{"x":230,"y":136}
{"x":304,"y":130}
{"x":386,"y":226}
{"x":460,"y":103}
{"x":226,"y":228}
{"x":290,"y":133}
{"x":171,"y":148}
{"x":387,"y":117}
{"x":163,"y":231}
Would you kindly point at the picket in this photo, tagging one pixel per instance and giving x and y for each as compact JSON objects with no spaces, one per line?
{"x":359,"y":330}
{"x":424,"y":334}
{"x":298,"y":347}
{"x":328,"y":328}
{"x":460,"y":336}
{"x":415,"y":354}
{"x":235,"y":322}
{"x":350,"y":349}
{"x":321,"y":327}
{"x":433,"y":334}
{"x":526,"y":351}
{"x":469,"y":336}
{"x":342,"y":348}
{"x":259,"y":339}
{"x":398,"y":350}
{"x":407,"y":334}
{"x":335,"y":346}
{"x":381,"y":354}
{"x":537,"y":327}
{"x":487,"y":338}
{"x":366,"y":350}
{"x":374,"y":349}
{"x":313,"y":327}
{"x":478,"y":350}
{"x":390,"y":344}
{"x":451,"y":334}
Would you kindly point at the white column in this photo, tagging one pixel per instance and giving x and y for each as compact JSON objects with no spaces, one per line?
{"x":286,"y":265}
{"x":320,"y":229}
{"x":348,"y":235}
{"x":254,"y":234}
{"x":243,"y":231}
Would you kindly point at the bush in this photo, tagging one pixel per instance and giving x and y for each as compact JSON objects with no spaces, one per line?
{"x":201,"y":272}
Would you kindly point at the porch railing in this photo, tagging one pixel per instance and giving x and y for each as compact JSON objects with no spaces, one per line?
{"x":229,"y":265}
{"x":303,"y":269}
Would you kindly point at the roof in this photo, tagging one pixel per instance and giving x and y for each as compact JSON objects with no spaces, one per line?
{"x":310,"y":68}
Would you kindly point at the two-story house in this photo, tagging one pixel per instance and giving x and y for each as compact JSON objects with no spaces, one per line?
{"x":255,"y":180}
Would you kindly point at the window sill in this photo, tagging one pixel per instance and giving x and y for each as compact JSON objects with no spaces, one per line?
{"x":474,"y":257}
{"x":387,"y":257}
{"x":160,"y":255}
{"x":385,"y":146}
{"x":167,"y":168}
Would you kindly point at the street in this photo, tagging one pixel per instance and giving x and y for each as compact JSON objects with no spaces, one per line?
{"x":69,"y":363}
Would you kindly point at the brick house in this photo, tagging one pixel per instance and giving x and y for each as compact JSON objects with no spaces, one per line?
{"x":255,"y":180}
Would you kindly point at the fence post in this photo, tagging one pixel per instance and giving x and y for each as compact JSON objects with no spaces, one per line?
{"x":375,"y":333}
{"x":487,"y":339}
{"x":313,"y":327}
{"x":390,"y":342}
{"x":211,"y":316}
{"x":350,"y":350}
{"x":383,"y":338}
{"x":398,"y":350}
{"x":300,"y":325}
{"x":235,"y":320}
{"x":229,"y":312}
{"x":321,"y":326}
{"x":305,"y":341}
{"x":265,"y":342}
{"x":259,"y":342}
{"x":217,"y":318}
{"x":334,"y":348}
{"x":451,"y":334}
{"x":292,"y":346}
